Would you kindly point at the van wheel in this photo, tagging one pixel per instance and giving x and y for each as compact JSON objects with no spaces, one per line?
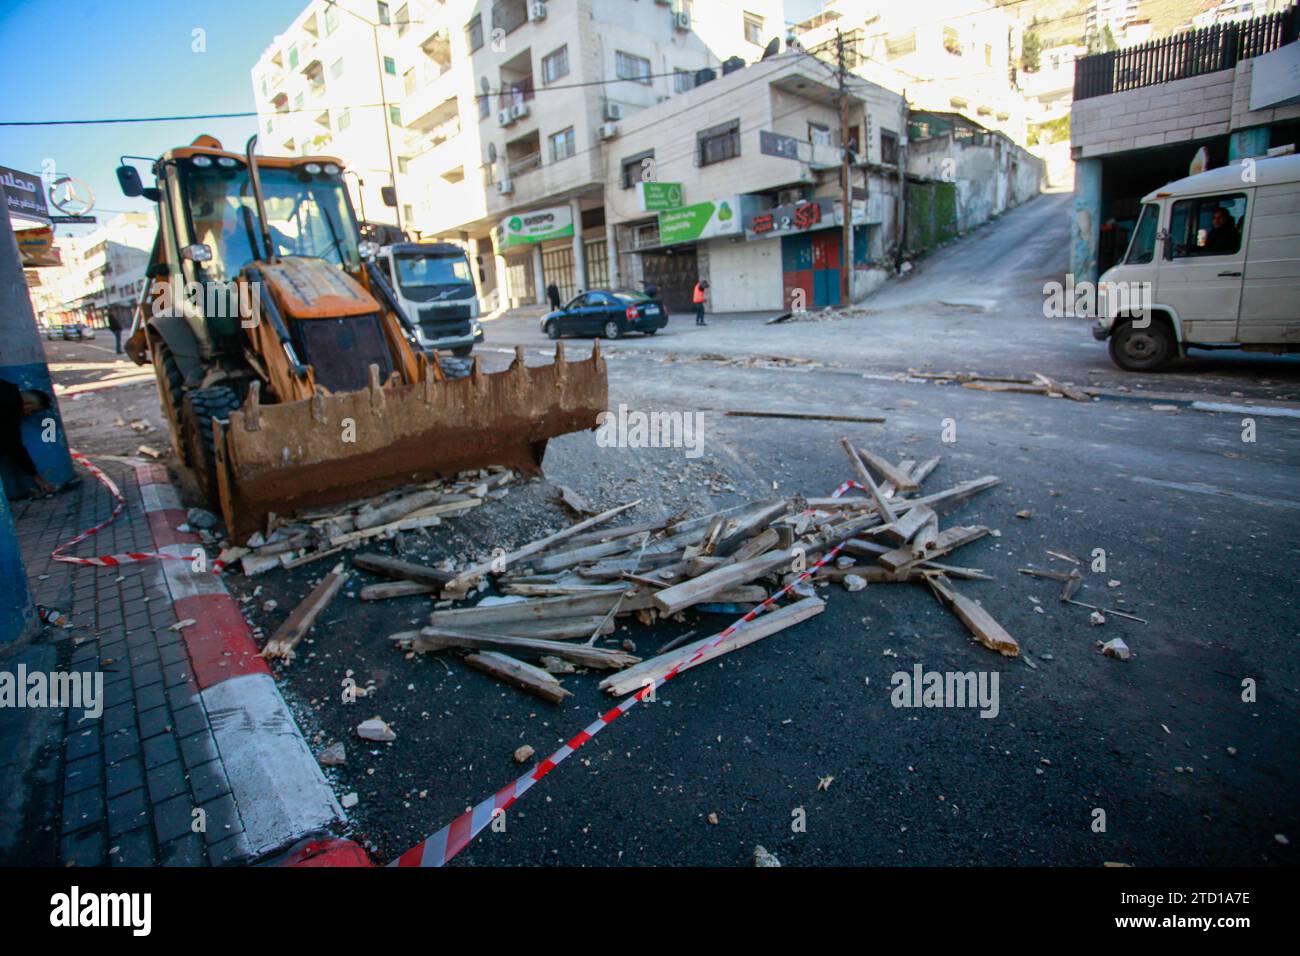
{"x":611,"y":329}
{"x":1143,"y":350}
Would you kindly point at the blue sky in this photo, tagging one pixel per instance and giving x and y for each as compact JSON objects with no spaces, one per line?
{"x":107,"y":58}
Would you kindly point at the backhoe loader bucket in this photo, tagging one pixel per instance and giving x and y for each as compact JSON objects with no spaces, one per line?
{"x":332,"y":448}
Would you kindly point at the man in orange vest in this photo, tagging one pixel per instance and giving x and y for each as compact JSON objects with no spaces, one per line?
{"x":700,"y":294}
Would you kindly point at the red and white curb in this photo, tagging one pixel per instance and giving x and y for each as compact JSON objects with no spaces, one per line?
{"x":278,"y":787}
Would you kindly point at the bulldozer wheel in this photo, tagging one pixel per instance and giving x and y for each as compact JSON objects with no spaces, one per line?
{"x":171,"y":393}
{"x":201,"y":406}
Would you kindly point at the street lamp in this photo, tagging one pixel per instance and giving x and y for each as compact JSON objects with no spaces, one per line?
{"x":383,"y":98}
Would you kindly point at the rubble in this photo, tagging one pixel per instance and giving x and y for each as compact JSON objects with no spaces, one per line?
{"x":763,"y":858}
{"x":376,"y":729}
{"x":335,"y":755}
{"x":1116,"y":648}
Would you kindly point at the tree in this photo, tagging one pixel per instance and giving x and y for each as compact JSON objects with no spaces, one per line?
{"x":1108,"y":40}
{"x":1030,"y":54}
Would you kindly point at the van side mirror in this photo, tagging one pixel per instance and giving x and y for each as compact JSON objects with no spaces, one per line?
{"x":389,"y":195}
{"x":128,"y":177}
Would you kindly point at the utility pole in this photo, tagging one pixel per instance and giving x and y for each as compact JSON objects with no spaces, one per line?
{"x":846,"y":178}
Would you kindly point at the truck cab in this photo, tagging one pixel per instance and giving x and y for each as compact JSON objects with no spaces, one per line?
{"x":434,"y":282}
{"x":1213,"y":263}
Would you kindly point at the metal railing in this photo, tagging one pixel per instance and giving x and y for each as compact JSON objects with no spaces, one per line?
{"x":1184,"y":55}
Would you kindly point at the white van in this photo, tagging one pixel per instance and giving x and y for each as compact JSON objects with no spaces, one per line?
{"x":1221,"y":253}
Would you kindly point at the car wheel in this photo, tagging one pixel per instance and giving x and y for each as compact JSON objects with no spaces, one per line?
{"x":611,"y":329}
{"x":1143,"y":349}
{"x":651,"y":331}
{"x":552,"y":330}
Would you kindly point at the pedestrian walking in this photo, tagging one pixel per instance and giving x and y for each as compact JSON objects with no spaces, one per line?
{"x":699,"y":296}
{"x":115,"y":326}
{"x":553,"y":294}
{"x":15,"y":405}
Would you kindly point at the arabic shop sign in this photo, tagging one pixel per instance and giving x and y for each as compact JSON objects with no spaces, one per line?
{"x":789,"y":219}
{"x":657,"y":197}
{"x":24,"y":195}
{"x":701,"y":221}
{"x":539,"y":225}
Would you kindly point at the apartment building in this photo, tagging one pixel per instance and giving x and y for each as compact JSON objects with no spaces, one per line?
{"x":738,"y":181}
{"x":103,"y":273}
{"x":957,"y":56}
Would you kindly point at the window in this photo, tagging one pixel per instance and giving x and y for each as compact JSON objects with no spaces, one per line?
{"x":293,"y":57}
{"x":819,"y":135}
{"x":562,"y":145}
{"x":683,"y":80}
{"x":636,"y":168}
{"x":395,"y":115}
{"x":1143,"y":247}
{"x":900,"y":45}
{"x":988,"y":54}
{"x":509,"y":15}
{"x":754,"y":28}
{"x":331,"y":19}
{"x":336,"y":68}
{"x":628,"y":66}
{"x":390,"y":66}
{"x":403,"y":19}
{"x":555,"y":65}
{"x":889,"y":147}
{"x":1206,"y":226}
{"x":384,"y":18}
{"x":270,"y":125}
{"x":344,"y":120}
{"x":474,"y":34}
{"x":719,"y":143}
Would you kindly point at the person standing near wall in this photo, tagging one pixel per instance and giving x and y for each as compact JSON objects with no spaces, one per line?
{"x":699,"y":296}
{"x":15,"y":405}
{"x":115,"y":326}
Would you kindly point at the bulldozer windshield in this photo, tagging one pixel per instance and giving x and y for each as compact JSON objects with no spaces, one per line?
{"x":307,"y":215}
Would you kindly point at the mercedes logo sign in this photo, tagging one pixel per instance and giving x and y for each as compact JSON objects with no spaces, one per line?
{"x":72,"y":197}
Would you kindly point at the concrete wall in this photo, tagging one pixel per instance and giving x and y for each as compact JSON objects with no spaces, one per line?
{"x":987,"y":178}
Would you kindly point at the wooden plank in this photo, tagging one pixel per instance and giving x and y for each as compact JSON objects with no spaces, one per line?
{"x":390,"y":567}
{"x":526,"y":677}
{"x":761,"y":543}
{"x":299,"y":622}
{"x":927,"y":536}
{"x":940,"y":501}
{"x":680,"y":596}
{"x":471,"y":576}
{"x":950,"y":539}
{"x":562,"y":590}
{"x":437,"y":639}
{"x":396,"y":510}
{"x":905,"y":528}
{"x":922,"y":471}
{"x":750,"y":526}
{"x":1060,"y":388}
{"x":977,"y":620}
{"x":864,"y":476}
{"x":871,"y":573}
{"x":807,"y":416}
{"x":559,"y":629}
{"x":765,"y":625}
{"x":394,"y":589}
{"x":576,"y":605}
{"x":562,"y":560}
{"x":897,"y":477}
{"x":871,"y":549}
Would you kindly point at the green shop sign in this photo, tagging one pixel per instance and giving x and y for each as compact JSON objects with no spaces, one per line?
{"x":657,"y":197}
{"x":701,"y":221}
{"x":536,"y":226}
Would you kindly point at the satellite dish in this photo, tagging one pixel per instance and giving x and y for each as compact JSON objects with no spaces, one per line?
{"x":492,"y":152}
{"x":773,"y":48}
{"x":484,"y":85}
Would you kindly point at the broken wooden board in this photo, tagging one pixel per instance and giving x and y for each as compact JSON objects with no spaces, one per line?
{"x":808,"y":416}
{"x":905,"y":528}
{"x":950,"y":539}
{"x":574,"y":502}
{"x":900,"y":478}
{"x":539,"y":609}
{"x":300,"y":620}
{"x":395,"y":510}
{"x":437,"y":639}
{"x":864,"y":477}
{"x":1055,"y":388}
{"x":679,"y":596}
{"x":460,"y":585}
{"x":765,"y":625}
{"x":394,"y":589}
{"x":560,"y":629}
{"x":748,"y":527}
{"x":519,"y":674}
{"x":977,"y":620}
{"x":389,"y":567}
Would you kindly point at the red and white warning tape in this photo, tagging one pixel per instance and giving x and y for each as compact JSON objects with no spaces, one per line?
{"x":113,"y":560}
{"x":455,"y":836}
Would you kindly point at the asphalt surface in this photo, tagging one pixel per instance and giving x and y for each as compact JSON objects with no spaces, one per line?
{"x":1199,"y":532}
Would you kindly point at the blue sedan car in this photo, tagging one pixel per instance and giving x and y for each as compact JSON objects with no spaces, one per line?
{"x":607,"y":313}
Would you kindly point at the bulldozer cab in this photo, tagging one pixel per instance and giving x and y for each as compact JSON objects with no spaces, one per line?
{"x":287,"y":367}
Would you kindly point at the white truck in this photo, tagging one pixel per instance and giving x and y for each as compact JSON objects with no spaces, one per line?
{"x":1215,"y":261}
{"x":434,"y":283}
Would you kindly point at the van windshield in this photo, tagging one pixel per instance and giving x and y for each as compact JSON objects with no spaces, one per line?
{"x":1143,"y":246}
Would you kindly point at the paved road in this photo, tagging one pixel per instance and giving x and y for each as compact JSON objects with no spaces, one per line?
{"x":1199,"y":530}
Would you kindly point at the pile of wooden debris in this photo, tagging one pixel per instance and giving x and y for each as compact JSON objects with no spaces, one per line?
{"x":561,"y":594}
{"x":318,"y":533}
{"x":1040,"y":384}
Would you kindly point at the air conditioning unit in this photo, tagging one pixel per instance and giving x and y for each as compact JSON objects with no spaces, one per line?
{"x":537,"y":10}
{"x":682,"y":21}
{"x":519,"y":111}
{"x":608,"y":130}
{"x":505,"y":187}
{"x":505,"y":116}
{"x":613,"y":111}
